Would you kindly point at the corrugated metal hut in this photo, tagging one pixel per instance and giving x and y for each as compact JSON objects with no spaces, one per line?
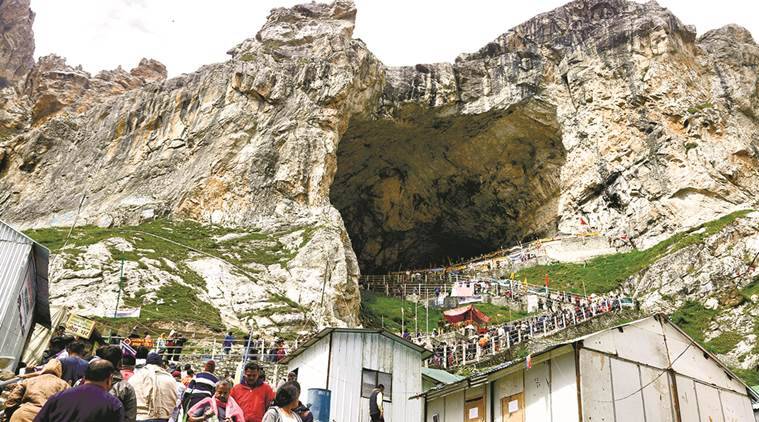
{"x":23,"y":292}
{"x":647,"y":370}
{"x":350,"y":362}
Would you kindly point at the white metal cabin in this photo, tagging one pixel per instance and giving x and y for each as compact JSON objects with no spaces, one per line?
{"x":23,"y":293}
{"x":645,"y":371}
{"x":351,"y":361}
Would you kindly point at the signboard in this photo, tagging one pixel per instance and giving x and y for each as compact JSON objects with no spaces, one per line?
{"x":79,"y":326}
{"x":26,"y":302}
{"x":140,"y":342}
{"x":532,"y":303}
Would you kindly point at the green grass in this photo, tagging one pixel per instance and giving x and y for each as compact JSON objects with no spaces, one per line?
{"x":700,"y":107}
{"x":163,"y":238}
{"x":724,"y":343}
{"x":751,"y":289}
{"x":253,"y":247}
{"x":375,"y":306}
{"x":748,"y":376}
{"x":180,"y":308}
{"x":605,"y":273}
{"x":694,"y":319}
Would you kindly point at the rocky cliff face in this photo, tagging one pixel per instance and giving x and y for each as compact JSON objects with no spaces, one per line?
{"x":608,"y":110}
{"x":715,"y":281}
{"x":250,"y":142}
{"x":655,"y":131}
{"x":17,"y":41}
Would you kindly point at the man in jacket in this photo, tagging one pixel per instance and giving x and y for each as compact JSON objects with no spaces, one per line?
{"x":202,"y":386}
{"x":155,"y":389}
{"x":121,"y":389}
{"x":376,"y":407}
{"x":32,"y":393}
{"x":89,"y":402}
{"x":253,"y":395}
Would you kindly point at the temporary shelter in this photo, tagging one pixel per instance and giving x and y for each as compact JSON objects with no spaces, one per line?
{"x":23,"y":292}
{"x":466,"y":314}
{"x":350,"y":362}
{"x":646,"y":370}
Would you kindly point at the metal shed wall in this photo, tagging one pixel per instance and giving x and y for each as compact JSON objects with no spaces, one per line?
{"x":695,"y":364}
{"x":449,"y":408}
{"x":506,"y":386}
{"x":312,"y":367}
{"x":17,"y":287}
{"x":351,"y":352}
{"x":625,"y":377}
{"x":537,"y":392}
{"x":563,"y":388}
{"x":436,"y":407}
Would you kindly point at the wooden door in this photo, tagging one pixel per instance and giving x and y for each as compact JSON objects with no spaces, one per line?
{"x":512,"y":408}
{"x":474,"y":410}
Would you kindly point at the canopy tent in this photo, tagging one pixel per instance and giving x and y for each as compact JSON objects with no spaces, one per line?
{"x":466,"y":313}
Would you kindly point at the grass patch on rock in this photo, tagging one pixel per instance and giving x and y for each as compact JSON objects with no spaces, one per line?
{"x":174,"y":303}
{"x":379,"y":310}
{"x":178,"y":241}
{"x":605,"y":273}
{"x":694,"y":319}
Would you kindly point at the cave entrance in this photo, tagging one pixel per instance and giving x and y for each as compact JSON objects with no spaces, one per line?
{"x":432,"y":185}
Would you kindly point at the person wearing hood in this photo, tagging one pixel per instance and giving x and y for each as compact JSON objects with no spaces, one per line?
{"x":33,"y":391}
{"x":89,"y":402}
{"x":155,"y":389}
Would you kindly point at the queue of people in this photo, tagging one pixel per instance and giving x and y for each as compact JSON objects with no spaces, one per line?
{"x":469,"y":345}
{"x":151,"y":392}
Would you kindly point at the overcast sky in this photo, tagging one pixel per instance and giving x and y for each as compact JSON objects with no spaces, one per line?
{"x":185,"y":34}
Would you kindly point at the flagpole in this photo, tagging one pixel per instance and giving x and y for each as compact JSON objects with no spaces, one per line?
{"x":121,"y":283}
{"x":416,"y":309}
{"x":403,"y":322}
{"x":427,"y":305}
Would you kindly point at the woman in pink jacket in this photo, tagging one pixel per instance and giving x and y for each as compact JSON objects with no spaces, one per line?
{"x":219,"y":408}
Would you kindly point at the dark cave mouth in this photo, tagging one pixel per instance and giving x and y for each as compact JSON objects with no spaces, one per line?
{"x":431,"y":186}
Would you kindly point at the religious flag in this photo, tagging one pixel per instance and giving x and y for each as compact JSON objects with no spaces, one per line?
{"x":127,"y":349}
{"x":528,"y":361}
{"x":546,"y":280}
{"x":583,"y":222}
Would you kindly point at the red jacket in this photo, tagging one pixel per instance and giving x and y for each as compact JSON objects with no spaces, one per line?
{"x":253,"y":401}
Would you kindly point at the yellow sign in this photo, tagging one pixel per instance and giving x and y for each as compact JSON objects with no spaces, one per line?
{"x":79,"y":326}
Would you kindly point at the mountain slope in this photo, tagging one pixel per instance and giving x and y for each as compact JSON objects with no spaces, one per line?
{"x":606,"y":110}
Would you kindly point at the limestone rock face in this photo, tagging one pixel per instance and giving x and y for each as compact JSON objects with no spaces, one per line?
{"x":248,"y":142}
{"x":149,"y":70}
{"x":722,"y":274}
{"x":658,"y":132}
{"x":607,"y":110}
{"x":17,"y":41}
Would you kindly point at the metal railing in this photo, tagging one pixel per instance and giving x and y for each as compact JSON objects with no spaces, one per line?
{"x":400,"y":287}
{"x":480,"y":348}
